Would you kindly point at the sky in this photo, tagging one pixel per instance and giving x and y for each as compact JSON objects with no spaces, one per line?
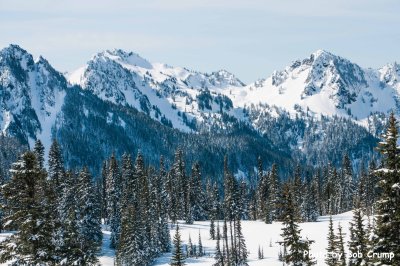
{"x":250,"y":38}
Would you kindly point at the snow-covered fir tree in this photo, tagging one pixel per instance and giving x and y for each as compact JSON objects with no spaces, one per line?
{"x":387,"y":237}
{"x":178,"y":258}
{"x":25,"y":195}
{"x":113,"y":200}
{"x":293,"y":244}
{"x":340,"y":246}
{"x":89,"y":220}
{"x":358,"y":238}
{"x":331,"y":259}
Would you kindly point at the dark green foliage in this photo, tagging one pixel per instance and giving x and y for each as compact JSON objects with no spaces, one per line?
{"x":340,"y":247}
{"x":387,"y":238}
{"x":293,"y":244}
{"x":39,"y":152}
{"x":177,"y":253}
{"x":113,"y":188}
{"x":130,"y":246}
{"x":25,"y":195}
{"x":219,"y":256}
{"x":358,"y":238}
{"x":332,"y":248}
{"x":89,"y":222}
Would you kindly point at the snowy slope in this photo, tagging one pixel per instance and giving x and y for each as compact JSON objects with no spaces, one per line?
{"x":31,"y":95}
{"x":325,"y":84}
{"x":157,"y":89}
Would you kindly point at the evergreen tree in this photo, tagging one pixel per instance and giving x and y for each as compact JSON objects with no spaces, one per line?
{"x":387,"y":237}
{"x":190,"y":252}
{"x":348,"y":188}
{"x":104,"y":198}
{"x":340,"y":247}
{"x":200,"y":245}
{"x":2,"y":181}
{"x":56,"y":168}
{"x":144,"y":205}
{"x":196,"y":198}
{"x":177,"y":255}
{"x":71,"y":247}
{"x":89,"y":223}
{"x":113,"y":200}
{"x":219,"y":256}
{"x":212,"y":229}
{"x":130,"y":246}
{"x":293,"y":245}
{"x":273,"y":199}
{"x":241,"y":250}
{"x":298,"y":192}
{"x":25,"y":197}
{"x":310,"y":207}
{"x":164,"y":235}
{"x":260,"y":253}
{"x":331,"y":259}
{"x":39,"y":153}
{"x":358,"y":239}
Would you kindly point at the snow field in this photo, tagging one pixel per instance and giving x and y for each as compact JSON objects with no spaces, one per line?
{"x":256,"y":233}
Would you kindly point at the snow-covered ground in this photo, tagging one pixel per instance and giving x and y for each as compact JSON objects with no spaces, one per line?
{"x":257,"y":234}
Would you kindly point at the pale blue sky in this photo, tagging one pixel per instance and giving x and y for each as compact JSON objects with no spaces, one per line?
{"x":249,"y":38}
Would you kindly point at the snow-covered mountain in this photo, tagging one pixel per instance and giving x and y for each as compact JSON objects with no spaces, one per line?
{"x":98,"y":104}
{"x":31,"y":94}
{"x":159,"y":90}
{"x":323,"y":84}
{"x":326,"y":84}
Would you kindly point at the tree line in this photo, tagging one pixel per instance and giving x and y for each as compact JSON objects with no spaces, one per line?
{"x":57,"y":213}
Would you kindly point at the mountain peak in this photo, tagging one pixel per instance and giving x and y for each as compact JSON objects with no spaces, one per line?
{"x":321,"y":52}
{"x":14,"y":49}
{"x":223,"y":75}
{"x":124,"y":57}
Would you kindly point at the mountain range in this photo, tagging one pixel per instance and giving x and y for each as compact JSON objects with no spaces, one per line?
{"x":314,"y":111}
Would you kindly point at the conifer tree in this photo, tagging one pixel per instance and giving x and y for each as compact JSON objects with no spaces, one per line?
{"x":340,"y":247}
{"x":293,"y":245}
{"x":298,"y":191}
{"x":71,"y":247}
{"x":2,"y":181}
{"x":180,"y":183}
{"x":219,"y":256}
{"x":331,"y":259}
{"x":164,"y":235}
{"x":56,"y":168}
{"x":273,"y":199}
{"x":89,"y":223}
{"x":260,"y":253}
{"x":226,"y":252}
{"x":196,"y":196}
{"x":130,"y":247}
{"x":104,"y":198}
{"x":200,"y":245}
{"x":212,"y":229}
{"x":39,"y":153}
{"x":358,"y":239}
{"x":190,"y":247}
{"x":177,"y":254}
{"x":387,"y":237}
{"x":311,"y":200}
{"x":25,"y":195}
{"x":113,"y":200}
{"x":241,"y":250}
{"x":348,"y":188}
{"x":144,"y":200}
